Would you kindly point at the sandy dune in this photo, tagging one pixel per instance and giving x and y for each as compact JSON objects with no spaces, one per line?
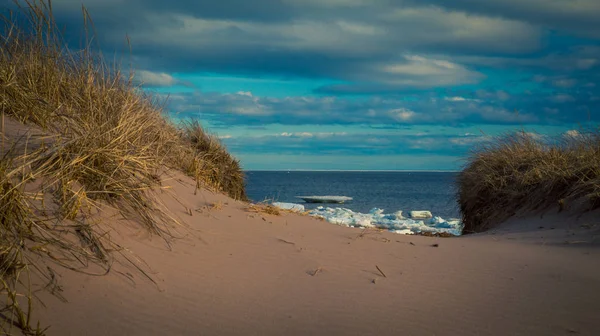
{"x":242,"y":273}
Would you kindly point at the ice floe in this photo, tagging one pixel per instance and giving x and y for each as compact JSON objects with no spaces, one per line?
{"x":325,"y":199}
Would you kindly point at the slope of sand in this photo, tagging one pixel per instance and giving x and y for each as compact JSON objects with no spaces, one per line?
{"x":237,"y":272}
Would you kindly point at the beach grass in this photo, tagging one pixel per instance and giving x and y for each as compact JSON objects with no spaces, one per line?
{"x":521,"y":172}
{"x":105,"y":142}
{"x":211,"y":163}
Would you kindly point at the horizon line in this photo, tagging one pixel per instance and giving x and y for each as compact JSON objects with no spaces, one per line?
{"x":361,"y":170}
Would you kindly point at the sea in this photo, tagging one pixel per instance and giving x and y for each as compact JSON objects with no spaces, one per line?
{"x":387,"y":190}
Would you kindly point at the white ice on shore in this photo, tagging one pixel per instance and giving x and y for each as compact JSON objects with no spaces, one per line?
{"x":392,"y":222}
{"x":376,"y":218}
{"x":289,"y":206}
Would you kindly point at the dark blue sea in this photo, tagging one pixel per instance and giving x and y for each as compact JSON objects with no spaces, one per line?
{"x":391,"y":191}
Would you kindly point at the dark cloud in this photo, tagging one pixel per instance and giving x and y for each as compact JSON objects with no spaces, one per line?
{"x":576,"y":16}
{"x":380,"y":48}
{"x":343,"y":39}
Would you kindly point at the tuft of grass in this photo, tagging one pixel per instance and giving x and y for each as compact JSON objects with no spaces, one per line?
{"x":16,"y":227}
{"x":210,"y":162}
{"x":105,"y":143}
{"x":523,"y":172}
{"x":25,"y":236}
{"x":264,"y":208}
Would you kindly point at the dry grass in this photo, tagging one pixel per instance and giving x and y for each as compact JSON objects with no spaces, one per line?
{"x":216,"y":206}
{"x":26,"y":235}
{"x":264,"y":209}
{"x":520,"y":172}
{"x":210,"y":163}
{"x":109,"y":145}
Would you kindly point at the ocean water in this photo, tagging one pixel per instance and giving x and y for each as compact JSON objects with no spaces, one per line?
{"x":390,"y":191}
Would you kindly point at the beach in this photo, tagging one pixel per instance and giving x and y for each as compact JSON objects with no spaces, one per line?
{"x":234,"y":271}
{"x":119,"y":215}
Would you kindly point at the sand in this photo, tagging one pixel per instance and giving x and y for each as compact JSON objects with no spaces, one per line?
{"x":237,"y":272}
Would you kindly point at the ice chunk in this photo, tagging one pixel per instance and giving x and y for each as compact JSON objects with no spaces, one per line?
{"x":289,"y":206}
{"x":420,"y":214}
{"x":376,"y":211}
{"x":392,"y":222}
{"x":325,"y":199}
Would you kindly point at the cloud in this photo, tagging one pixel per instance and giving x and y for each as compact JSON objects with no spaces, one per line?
{"x":149,"y":78}
{"x":424,"y":108}
{"x":460,"y":99}
{"x":564,"y":82}
{"x":402,"y":114}
{"x":572,"y":134}
{"x":407,"y":72}
{"x":377,"y":64}
{"x":574,"y":58}
{"x":576,"y":16}
{"x":309,"y":134}
{"x":562,"y":98}
{"x":353,"y":144}
{"x":348,"y":40}
{"x":368,"y":47}
{"x":158,"y":79}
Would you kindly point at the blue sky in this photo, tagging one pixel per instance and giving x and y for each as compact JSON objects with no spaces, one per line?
{"x":358,"y":84}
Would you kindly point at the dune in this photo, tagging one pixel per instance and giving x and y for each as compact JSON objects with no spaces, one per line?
{"x":232,"y":271}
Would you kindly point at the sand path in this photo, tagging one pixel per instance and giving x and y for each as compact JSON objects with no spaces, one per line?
{"x":254,"y":274}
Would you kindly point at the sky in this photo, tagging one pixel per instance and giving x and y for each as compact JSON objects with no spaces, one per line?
{"x":357,"y":84}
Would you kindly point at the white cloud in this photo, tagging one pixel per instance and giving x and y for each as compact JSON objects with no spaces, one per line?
{"x":572,"y":133}
{"x":255,"y":110}
{"x":310,"y":134}
{"x":468,"y":141}
{"x":460,"y":99}
{"x":150,"y":78}
{"x":421,"y":71}
{"x":402,"y":114}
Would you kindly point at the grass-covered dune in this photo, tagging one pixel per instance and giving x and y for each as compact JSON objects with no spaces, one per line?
{"x":100,"y":141}
{"x":522,"y":172}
